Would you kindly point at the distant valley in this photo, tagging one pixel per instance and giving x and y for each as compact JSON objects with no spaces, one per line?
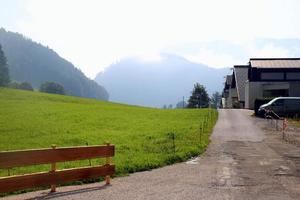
{"x":136,"y":81}
{"x":159,"y":82}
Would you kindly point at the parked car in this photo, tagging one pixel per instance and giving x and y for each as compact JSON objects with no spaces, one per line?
{"x":282,"y":106}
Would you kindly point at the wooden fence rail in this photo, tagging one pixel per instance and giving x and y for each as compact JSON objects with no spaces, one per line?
{"x":51,"y":156}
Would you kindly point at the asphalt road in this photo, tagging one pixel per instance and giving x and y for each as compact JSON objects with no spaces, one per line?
{"x":243,"y":161}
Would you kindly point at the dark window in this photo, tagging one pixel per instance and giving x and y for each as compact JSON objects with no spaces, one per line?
{"x":272,"y":76}
{"x":276,"y":93}
{"x":279,"y":102}
{"x":293,"y":76}
{"x":293,"y":102}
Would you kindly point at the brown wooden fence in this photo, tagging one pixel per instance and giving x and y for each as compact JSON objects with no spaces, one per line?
{"x":51,"y":156}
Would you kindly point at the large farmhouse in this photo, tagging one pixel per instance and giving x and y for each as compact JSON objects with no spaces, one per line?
{"x":262,"y":78}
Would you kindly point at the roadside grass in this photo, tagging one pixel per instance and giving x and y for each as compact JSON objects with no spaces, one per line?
{"x":145,"y":138}
{"x":295,"y":122}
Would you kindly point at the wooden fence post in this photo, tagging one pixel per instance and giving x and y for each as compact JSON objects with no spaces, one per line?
{"x":200,"y":135}
{"x":87,"y":144}
{"x":53,"y":169}
{"x":108,"y":162}
{"x":173,"y":142}
{"x":284,"y":126}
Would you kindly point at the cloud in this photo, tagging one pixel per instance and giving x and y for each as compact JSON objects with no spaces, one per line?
{"x":269,"y":51}
{"x":149,"y":57}
{"x":212,"y":58}
{"x":92,"y":34}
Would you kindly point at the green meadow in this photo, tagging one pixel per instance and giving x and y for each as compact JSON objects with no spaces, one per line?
{"x":145,"y":138}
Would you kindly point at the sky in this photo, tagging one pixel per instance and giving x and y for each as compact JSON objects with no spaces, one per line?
{"x":93,"y":34}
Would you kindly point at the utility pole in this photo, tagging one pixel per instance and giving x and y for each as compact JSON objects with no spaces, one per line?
{"x":183,"y":102}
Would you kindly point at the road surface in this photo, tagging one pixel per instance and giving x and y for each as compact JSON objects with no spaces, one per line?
{"x":242,"y":162}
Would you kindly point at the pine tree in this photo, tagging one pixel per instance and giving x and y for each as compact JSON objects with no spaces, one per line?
{"x":199,"y":98}
{"x":4,"y":76}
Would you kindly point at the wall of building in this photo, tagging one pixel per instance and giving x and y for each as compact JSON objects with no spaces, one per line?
{"x":224,"y":102}
{"x":241,"y":76}
{"x":295,"y":89}
{"x":229,"y":102}
{"x":232,"y":95}
{"x":247,"y":106}
{"x":253,"y":90}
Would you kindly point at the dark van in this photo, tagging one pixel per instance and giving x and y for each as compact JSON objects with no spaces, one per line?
{"x":282,"y":106}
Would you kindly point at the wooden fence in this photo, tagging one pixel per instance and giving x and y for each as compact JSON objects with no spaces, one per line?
{"x":51,"y":156}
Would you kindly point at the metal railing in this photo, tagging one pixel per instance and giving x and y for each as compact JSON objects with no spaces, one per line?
{"x":281,"y":124}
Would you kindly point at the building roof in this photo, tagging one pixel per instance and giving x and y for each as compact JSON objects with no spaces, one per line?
{"x":240,"y":76}
{"x":241,"y":66}
{"x":228,"y":79}
{"x":275,"y":62}
{"x":227,"y":82}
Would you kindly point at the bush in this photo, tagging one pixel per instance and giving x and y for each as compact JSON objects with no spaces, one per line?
{"x":21,"y":86}
{"x":52,"y":87}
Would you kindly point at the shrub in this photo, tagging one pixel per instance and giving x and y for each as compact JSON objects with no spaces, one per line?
{"x":52,"y":87}
{"x":21,"y":86}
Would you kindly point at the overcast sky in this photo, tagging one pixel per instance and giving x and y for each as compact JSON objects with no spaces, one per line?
{"x":93,"y":33}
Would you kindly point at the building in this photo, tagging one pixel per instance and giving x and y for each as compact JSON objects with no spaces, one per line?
{"x":262,"y":78}
{"x":239,"y":79}
{"x":227,"y":93}
{"x":234,"y":90}
{"x":272,"y":77}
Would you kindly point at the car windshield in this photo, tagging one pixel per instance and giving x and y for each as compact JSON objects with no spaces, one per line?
{"x":272,"y":101}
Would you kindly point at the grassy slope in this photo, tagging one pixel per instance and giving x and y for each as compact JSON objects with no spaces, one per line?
{"x":295,"y":122}
{"x":34,"y":120}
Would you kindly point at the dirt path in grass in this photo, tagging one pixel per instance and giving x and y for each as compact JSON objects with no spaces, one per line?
{"x":243,"y":161}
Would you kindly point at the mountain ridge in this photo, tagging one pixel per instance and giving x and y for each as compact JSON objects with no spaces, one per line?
{"x":156,"y":83}
{"x":32,"y":62}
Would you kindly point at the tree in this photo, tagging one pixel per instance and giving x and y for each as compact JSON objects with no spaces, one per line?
{"x":170,"y":106}
{"x":4,"y":76}
{"x":52,"y":87}
{"x":21,"y":86}
{"x":25,"y":86}
{"x":199,"y":98}
{"x":216,"y":100}
{"x":181,"y":104}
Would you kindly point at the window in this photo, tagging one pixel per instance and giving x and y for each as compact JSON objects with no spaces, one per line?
{"x":293,"y":102}
{"x":293,"y":76}
{"x":278,"y":102}
{"x":276,"y":93}
{"x":272,"y":76}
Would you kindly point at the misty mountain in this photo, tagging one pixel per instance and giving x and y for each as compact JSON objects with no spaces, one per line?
{"x":155,"y":83}
{"x":35,"y":63}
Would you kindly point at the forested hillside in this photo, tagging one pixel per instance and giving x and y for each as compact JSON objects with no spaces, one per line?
{"x":35,"y":63}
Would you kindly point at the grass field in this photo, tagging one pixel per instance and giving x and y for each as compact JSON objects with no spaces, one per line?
{"x":142,"y":136}
{"x":295,"y":122}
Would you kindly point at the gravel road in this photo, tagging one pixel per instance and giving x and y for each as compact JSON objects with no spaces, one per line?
{"x":243,"y":161}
